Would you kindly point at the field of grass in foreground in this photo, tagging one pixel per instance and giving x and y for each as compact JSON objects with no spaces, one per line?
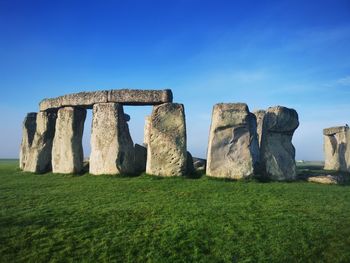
{"x":88,"y":218}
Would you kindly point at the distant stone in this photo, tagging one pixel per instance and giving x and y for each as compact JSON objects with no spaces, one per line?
{"x":112,"y":149}
{"x":277,"y":150}
{"x":38,"y":158}
{"x":334,"y":130}
{"x":67,"y":150}
{"x":126,"y":117}
{"x":233,"y":150}
{"x":259,"y":114}
{"x":122,"y":96}
{"x":140,"y":158}
{"x":199,"y":164}
{"x":337,"y":148}
{"x":166,"y":150}
{"x":190,"y":167}
{"x":324,"y":179}
{"x":28,"y":131}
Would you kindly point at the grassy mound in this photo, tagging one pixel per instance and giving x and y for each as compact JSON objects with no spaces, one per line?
{"x":137,"y":219}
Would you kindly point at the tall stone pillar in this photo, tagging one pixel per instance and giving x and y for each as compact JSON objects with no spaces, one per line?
{"x":28,"y":131}
{"x":112,"y":149}
{"x":67,"y":150}
{"x":166,"y":151}
{"x":39,"y":155}
{"x":337,"y":149}
{"x":277,"y":150}
{"x":233,"y":150}
{"x":146,"y":130}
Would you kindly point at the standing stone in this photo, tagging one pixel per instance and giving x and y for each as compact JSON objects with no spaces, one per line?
{"x":146,"y":130}
{"x":233,"y":150}
{"x":67,"y":150}
{"x":28,"y":131}
{"x":140,"y":158}
{"x":190,"y":166}
{"x":259,"y":114}
{"x":277,"y":150}
{"x":111,"y":144}
{"x":336,"y":148}
{"x":39,"y":156}
{"x":166,"y":151}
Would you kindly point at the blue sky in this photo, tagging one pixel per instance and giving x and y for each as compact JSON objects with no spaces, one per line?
{"x":264,"y":53}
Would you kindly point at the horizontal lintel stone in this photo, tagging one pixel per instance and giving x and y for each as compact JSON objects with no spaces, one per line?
{"x":122,"y":96}
{"x":334,"y":130}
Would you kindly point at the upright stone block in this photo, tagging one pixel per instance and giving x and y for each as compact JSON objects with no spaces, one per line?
{"x":259,"y":114}
{"x":112,"y":149}
{"x":166,"y":151}
{"x":39,"y":156}
{"x":233,"y":150}
{"x":277,"y":150}
{"x":140,"y":158}
{"x":67,"y":150}
{"x":146,"y":130}
{"x":28,"y":131}
{"x":337,"y":149}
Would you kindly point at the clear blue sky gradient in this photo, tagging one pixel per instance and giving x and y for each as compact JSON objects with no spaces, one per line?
{"x":264,"y":53}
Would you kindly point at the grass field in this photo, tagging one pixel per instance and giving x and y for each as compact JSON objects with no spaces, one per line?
{"x":57,"y":218}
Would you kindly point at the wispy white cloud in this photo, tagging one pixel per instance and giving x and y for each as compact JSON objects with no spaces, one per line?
{"x":344,"y":81}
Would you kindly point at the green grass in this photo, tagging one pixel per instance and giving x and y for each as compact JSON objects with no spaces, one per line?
{"x":88,"y":218}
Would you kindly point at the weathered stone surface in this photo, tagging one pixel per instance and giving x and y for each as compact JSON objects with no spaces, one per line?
{"x":39,"y":156}
{"x":199,"y":164}
{"x":233,"y":150}
{"x":337,"y":149}
{"x":28,"y":131}
{"x":67,"y":149}
{"x":259,"y":114}
{"x":112,"y":149}
{"x":324,"y":179}
{"x":140,"y":158}
{"x":81,"y":99}
{"x":146,"y":130}
{"x":123,"y":96}
{"x":140,"y":97}
{"x":334,"y":130}
{"x":166,"y":151}
{"x":277,"y":150}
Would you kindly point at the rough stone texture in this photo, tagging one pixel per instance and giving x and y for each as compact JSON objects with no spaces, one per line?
{"x":337,"y":149}
{"x":67,"y":150}
{"x":277,"y":150}
{"x":146,"y":130}
{"x":259,"y":114}
{"x":334,"y":130}
{"x":166,"y":151}
{"x":233,"y":150}
{"x":140,"y":158}
{"x":39,"y":156}
{"x":28,"y":131}
{"x":324,"y":179}
{"x":140,"y":97}
{"x":112,"y":149}
{"x":199,"y":164}
{"x":81,"y":99}
{"x":123,"y":96}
